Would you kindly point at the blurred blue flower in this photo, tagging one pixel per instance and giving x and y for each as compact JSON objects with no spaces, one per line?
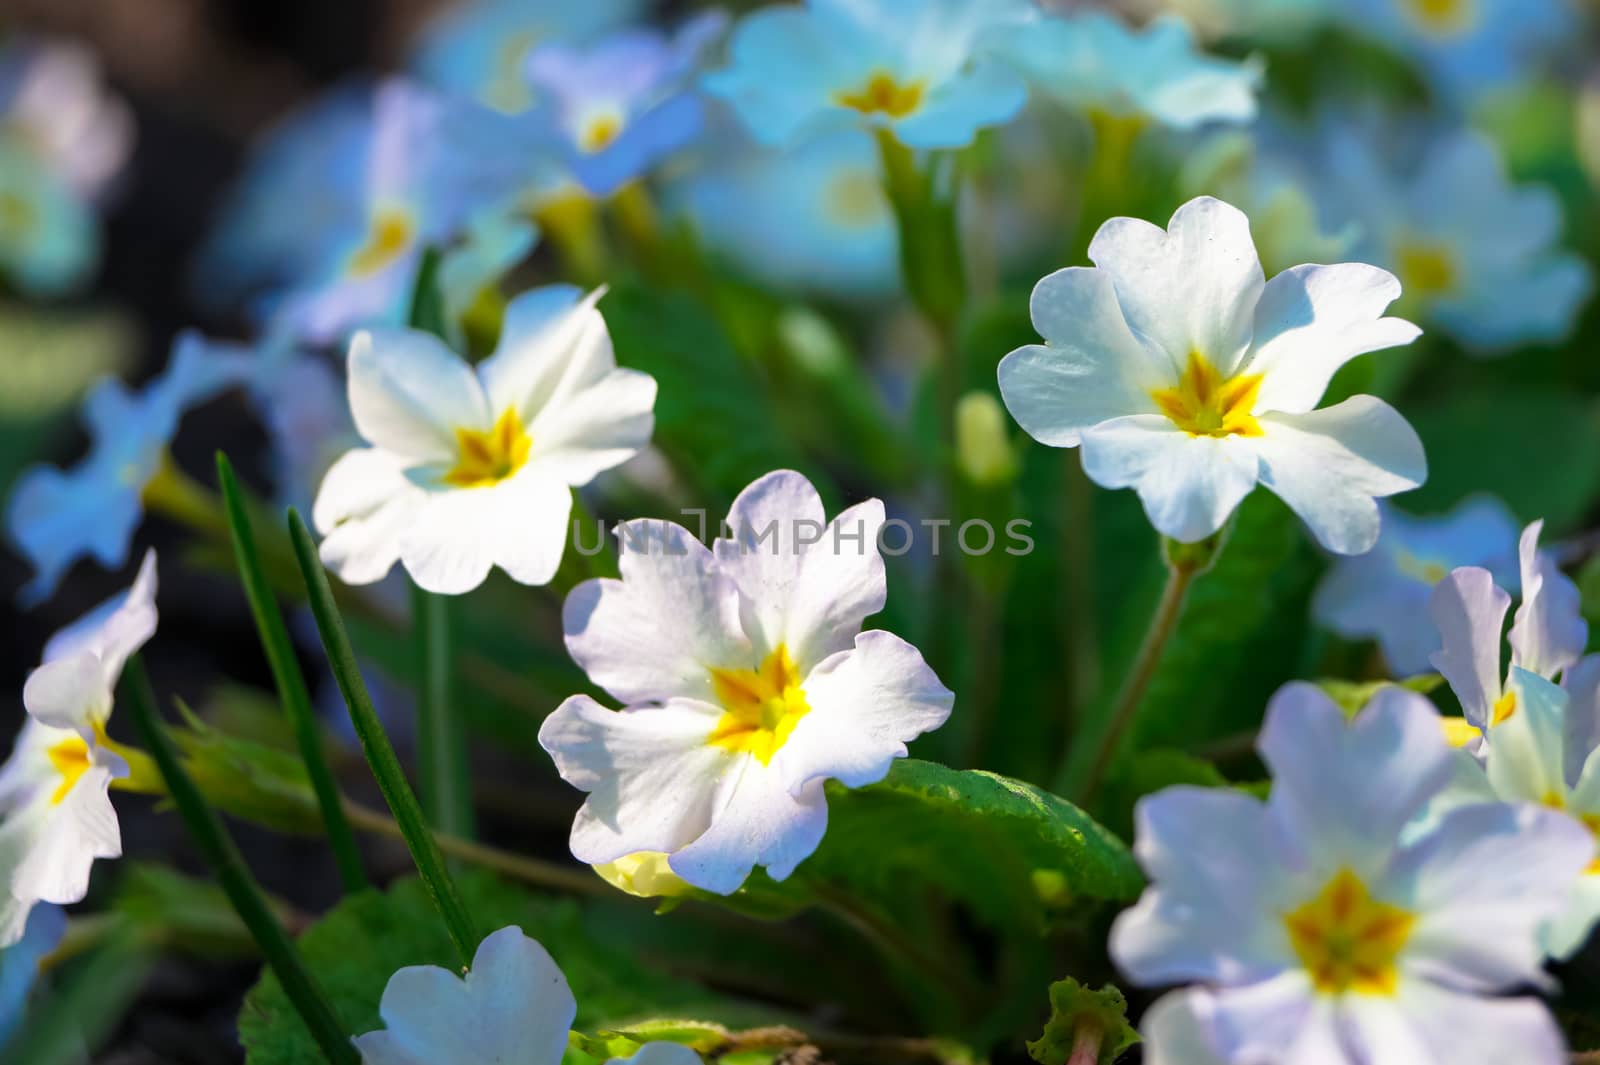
{"x":921,"y":68}
{"x":1093,"y":62}
{"x":49,"y":238}
{"x":814,"y":218}
{"x":328,"y":228}
{"x":623,"y":103}
{"x":19,"y":964}
{"x":56,"y":517}
{"x":1384,"y":593}
{"x":480,"y":50}
{"x":1467,"y":46}
{"x":1477,"y":256}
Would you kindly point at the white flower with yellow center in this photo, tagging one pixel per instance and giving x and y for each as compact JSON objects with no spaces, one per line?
{"x":472,"y":468}
{"x":1185,"y":375}
{"x":56,"y":816}
{"x":746,"y":682}
{"x":1531,"y":739}
{"x":513,"y":1005}
{"x":1318,"y":931}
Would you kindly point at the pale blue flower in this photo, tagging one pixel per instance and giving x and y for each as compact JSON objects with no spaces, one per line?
{"x":480,"y":50}
{"x":1467,"y":46}
{"x":1477,"y":256}
{"x":1094,"y":62}
{"x":622,"y":104}
{"x":1384,"y":593}
{"x":19,"y":964}
{"x":56,"y":517}
{"x":814,"y":218}
{"x":329,"y":227}
{"x":921,"y":68}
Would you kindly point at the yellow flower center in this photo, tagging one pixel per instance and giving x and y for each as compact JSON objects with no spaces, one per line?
{"x":1347,"y":940}
{"x":489,"y":457}
{"x":70,"y":758}
{"x":1502,"y":709}
{"x":1425,"y":570}
{"x":1203,"y":404}
{"x":1458,"y":731}
{"x":1443,"y":17}
{"x":599,"y":132}
{"x":390,"y":236}
{"x":1425,"y":270}
{"x":883,"y":95}
{"x":760,"y":706}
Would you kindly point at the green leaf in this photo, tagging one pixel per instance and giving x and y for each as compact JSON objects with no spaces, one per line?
{"x":360,"y":943}
{"x":1501,"y":439}
{"x":1352,"y":695}
{"x":1072,"y":1007}
{"x":714,"y":414}
{"x":978,"y":838}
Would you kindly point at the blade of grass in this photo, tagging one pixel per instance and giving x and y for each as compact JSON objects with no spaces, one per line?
{"x":291,"y":683}
{"x":375,"y":744}
{"x":220,"y":852}
{"x":441,"y":734}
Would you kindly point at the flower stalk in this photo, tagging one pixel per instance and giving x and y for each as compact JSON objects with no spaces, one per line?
{"x":288,"y":679}
{"x":220,"y":852}
{"x":436,"y":879}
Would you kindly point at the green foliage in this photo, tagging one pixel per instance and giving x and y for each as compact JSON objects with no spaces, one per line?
{"x":1502,"y":439}
{"x":1074,"y":1008}
{"x":263,"y":784}
{"x":977,"y":838}
{"x":1353,"y":695}
{"x":714,"y":415}
{"x":1146,"y":773}
{"x":360,"y":943}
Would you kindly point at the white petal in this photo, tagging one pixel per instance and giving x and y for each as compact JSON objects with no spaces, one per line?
{"x":1279,"y":1020}
{"x":1469,"y":610}
{"x":659,"y":631}
{"x":1173,"y":1033}
{"x":1482,"y":884}
{"x":1548,"y":633}
{"x":592,"y":430}
{"x":409,"y":394}
{"x":514,"y":1005}
{"x":456,"y":536}
{"x":363,"y":550}
{"x":1214,"y":861}
{"x":806,"y":585}
{"x":69,"y":693}
{"x":117,"y":627}
{"x":1092,"y":369}
{"x":759,"y":823}
{"x":1190,"y":288}
{"x":1525,"y":757}
{"x":1330,"y":465}
{"x":1189,"y":485}
{"x":866,"y":705}
{"x":1582,"y":683}
{"x":1348,"y":787}
{"x":1569,"y":933}
{"x":357,"y":484}
{"x":653,"y":779}
{"x":660,"y":1054}
{"x":553,"y":344}
{"x":1312,"y":320}
{"x":71,"y":835}
{"x":1465,"y":1029}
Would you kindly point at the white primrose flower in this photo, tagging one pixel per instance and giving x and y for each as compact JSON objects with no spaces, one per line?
{"x":1531,"y":740}
{"x":473,"y":468}
{"x":746,"y":682}
{"x":56,"y":816}
{"x":1318,"y":930}
{"x":513,"y":1005}
{"x":1186,"y":376}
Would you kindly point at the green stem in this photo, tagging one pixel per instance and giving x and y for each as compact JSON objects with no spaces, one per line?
{"x":290,"y":682}
{"x":529,"y":870}
{"x":1185,"y":562}
{"x":375,"y":745}
{"x":441,"y":738}
{"x":234,"y":876}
